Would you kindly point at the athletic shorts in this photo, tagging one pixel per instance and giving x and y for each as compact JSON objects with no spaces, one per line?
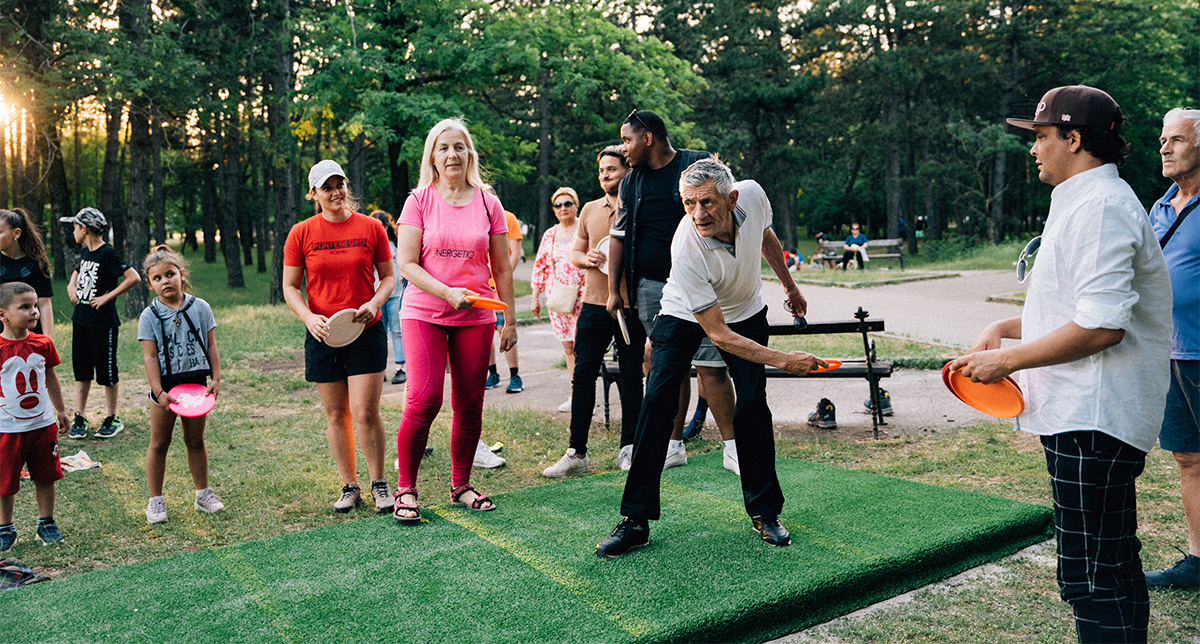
{"x":649,"y":301}
{"x":367,"y":354}
{"x":1180,"y":430}
{"x":170,"y":382}
{"x":36,"y":451}
{"x":94,"y":354}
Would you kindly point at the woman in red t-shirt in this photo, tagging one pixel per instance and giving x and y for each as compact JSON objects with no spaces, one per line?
{"x":447,"y":232}
{"x":339,"y":251}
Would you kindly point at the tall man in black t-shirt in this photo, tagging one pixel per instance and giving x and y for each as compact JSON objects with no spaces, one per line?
{"x":640,"y":253}
{"x":93,"y":290}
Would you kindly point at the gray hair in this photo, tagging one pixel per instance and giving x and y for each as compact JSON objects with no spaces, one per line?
{"x":1185,"y":113}
{"x":706,"y":171}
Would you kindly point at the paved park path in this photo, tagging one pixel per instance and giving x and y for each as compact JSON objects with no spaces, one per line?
{"x":949,"y":311}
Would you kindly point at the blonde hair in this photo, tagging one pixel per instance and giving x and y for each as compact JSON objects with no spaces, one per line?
{"x":164,"y":254}
{"x":565,"y":191}
{"x":429,"y":174}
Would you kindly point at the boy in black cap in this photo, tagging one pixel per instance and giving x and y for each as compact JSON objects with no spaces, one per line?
{"x":93,"y":290}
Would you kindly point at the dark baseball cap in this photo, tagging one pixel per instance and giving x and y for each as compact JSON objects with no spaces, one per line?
{"x":89,"y":218}
{"x":1075,"y":105}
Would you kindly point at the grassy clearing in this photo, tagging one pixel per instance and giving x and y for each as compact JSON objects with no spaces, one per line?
{"x":271,"y":464}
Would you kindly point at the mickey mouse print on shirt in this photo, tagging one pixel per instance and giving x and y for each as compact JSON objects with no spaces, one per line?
{"x":24,"y":399}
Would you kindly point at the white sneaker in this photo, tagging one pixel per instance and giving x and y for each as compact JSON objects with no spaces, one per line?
{"x":731,"y":461}
{"x":156,"y":510}
{"x":566,"y":465}
{"x":675,"y":457}
{"x":207,"y":501}
{"x":485,"y":458}
{"x":565,"y":407}
{"x":625,"y":457}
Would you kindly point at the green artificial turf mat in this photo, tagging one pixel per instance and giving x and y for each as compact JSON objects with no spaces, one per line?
{"x":527,"y":572}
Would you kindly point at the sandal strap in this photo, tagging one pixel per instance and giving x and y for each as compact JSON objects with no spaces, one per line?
{"x":406,"y":490}
{"x":456,"y":493}
{"x":479,"y":501}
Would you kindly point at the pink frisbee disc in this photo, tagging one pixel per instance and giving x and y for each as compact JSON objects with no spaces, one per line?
{"x":193,"y":400}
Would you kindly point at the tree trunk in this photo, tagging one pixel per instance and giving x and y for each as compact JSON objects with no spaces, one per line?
{"x":262,"y":186}
{"x":544,"y":144}
{"x":208,"y":203}
{"x":892,"y":182}
{"x":282,"y":153}
{"x":60,"y":202}
{"x":231,"y":200}
{"x":110,"y":176}
{"x":137,"y":221}
{"x":399,"y":172}
{"x":3,"y":160}
{"x":160,"y":197}
{"x":355,"y":167}
{"x":78,"y":174}
{"x":32,"y":199}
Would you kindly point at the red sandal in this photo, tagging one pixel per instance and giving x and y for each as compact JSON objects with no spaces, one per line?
{"x":476,"y":505}
{"x":406,"y":507}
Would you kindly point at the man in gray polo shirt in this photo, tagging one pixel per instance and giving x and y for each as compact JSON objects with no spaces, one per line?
{"x":714,"y":289}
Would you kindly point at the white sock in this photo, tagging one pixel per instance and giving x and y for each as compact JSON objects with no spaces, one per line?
{"x":199,"y":492}
{"x":676,"y":444}
{"x":156,"y":497}
{"x":731,"y":445}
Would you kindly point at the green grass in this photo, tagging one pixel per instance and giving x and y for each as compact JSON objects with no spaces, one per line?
{"x":271,"y":464}
{"x":530,"y":569}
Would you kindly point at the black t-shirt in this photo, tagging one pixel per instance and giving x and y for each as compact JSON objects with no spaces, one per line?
{"x":99,"y":272}
{"x":657,"y":218}
{"x":26,"y":270}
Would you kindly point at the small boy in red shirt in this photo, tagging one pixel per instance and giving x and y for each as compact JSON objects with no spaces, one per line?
{"x":31,"y":410}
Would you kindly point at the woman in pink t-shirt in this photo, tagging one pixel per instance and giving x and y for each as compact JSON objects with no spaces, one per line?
{"x":448,"y":230}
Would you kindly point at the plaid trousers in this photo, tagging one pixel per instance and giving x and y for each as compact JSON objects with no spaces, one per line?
{"x":1095,"y":520}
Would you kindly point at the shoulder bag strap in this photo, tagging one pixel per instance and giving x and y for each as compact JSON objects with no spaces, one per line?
{"x":1162,"y":243}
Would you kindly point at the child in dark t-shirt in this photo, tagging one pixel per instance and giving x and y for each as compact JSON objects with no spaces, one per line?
{"x":23,"y":259}
{"x":93,"y":289}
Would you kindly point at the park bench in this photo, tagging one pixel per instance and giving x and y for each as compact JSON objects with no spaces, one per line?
{"x":830,"y":251}
{"x":868,"y":368}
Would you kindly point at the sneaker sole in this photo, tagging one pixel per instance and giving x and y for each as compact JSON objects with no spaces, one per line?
{"x":78,"y":438}
{"x":627,"y":551}
{"x":206,"y":510}
{"x":388,"y":509}
{"x":514,"y":391}
{"x":822,"y":424}
{"x":50,"y":543}
{"x":668,"y":465}
{"x":151,"y":522}
{"x":99,"y":435}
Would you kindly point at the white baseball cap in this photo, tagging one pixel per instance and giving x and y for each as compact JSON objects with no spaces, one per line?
{"x":322,"y":171}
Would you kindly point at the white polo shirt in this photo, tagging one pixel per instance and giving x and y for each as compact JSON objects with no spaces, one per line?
{"x":706,"y":272}
{"x":1099,"y":266}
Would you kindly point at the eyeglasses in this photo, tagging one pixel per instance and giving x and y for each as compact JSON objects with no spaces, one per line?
{"x":633,"y":116}
{"x":1024,"y":262}
{"x":564,"y":204}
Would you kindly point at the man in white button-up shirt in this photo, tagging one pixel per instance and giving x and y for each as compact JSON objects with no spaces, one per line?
{"x":1094,"y":357}
{"x":714,"y":290}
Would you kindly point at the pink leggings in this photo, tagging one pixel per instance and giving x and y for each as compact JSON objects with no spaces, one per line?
{"x":426,"y":348}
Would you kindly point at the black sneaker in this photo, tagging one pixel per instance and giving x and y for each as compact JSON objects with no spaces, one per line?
{"x":885,"y":403}
{"x":8,"y":536}
{"x":79,"y":428}
{"x":47,"y":532}
{"x":824,"y":417}
{"x":1184,"y":574}
{"x":400,"y":377}
{"x":772,"y":530}
{"x":111,"y":427}
{"x":629,"y":534}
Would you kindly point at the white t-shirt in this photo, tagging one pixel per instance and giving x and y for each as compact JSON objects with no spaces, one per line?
{"x":706,"y":272}
{"x":1099,"y":266}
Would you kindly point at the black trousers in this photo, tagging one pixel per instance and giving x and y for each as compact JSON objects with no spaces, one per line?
{"x":1095,"y":521}
{"x":594,"y":330}
{"x":674,"y":342}
{"x":852,"y":255}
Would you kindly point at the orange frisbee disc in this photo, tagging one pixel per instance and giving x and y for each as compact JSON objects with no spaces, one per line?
{"x":833,"y":364}
{"x":1002,"y":399}
{"x":486,"y":302}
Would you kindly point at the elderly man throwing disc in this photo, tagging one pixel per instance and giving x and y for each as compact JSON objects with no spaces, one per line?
{"x":714,"y":289}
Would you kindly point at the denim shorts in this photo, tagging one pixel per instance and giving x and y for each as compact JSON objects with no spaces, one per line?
{"x":649,"y":301}
{"x":1180,"y":430}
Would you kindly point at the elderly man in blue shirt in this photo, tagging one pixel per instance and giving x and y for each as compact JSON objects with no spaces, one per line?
{"x":1178,"y":230}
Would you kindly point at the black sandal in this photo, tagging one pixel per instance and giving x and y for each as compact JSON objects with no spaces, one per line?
{"x":406,"y":507}
{"x":476,"y":505}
